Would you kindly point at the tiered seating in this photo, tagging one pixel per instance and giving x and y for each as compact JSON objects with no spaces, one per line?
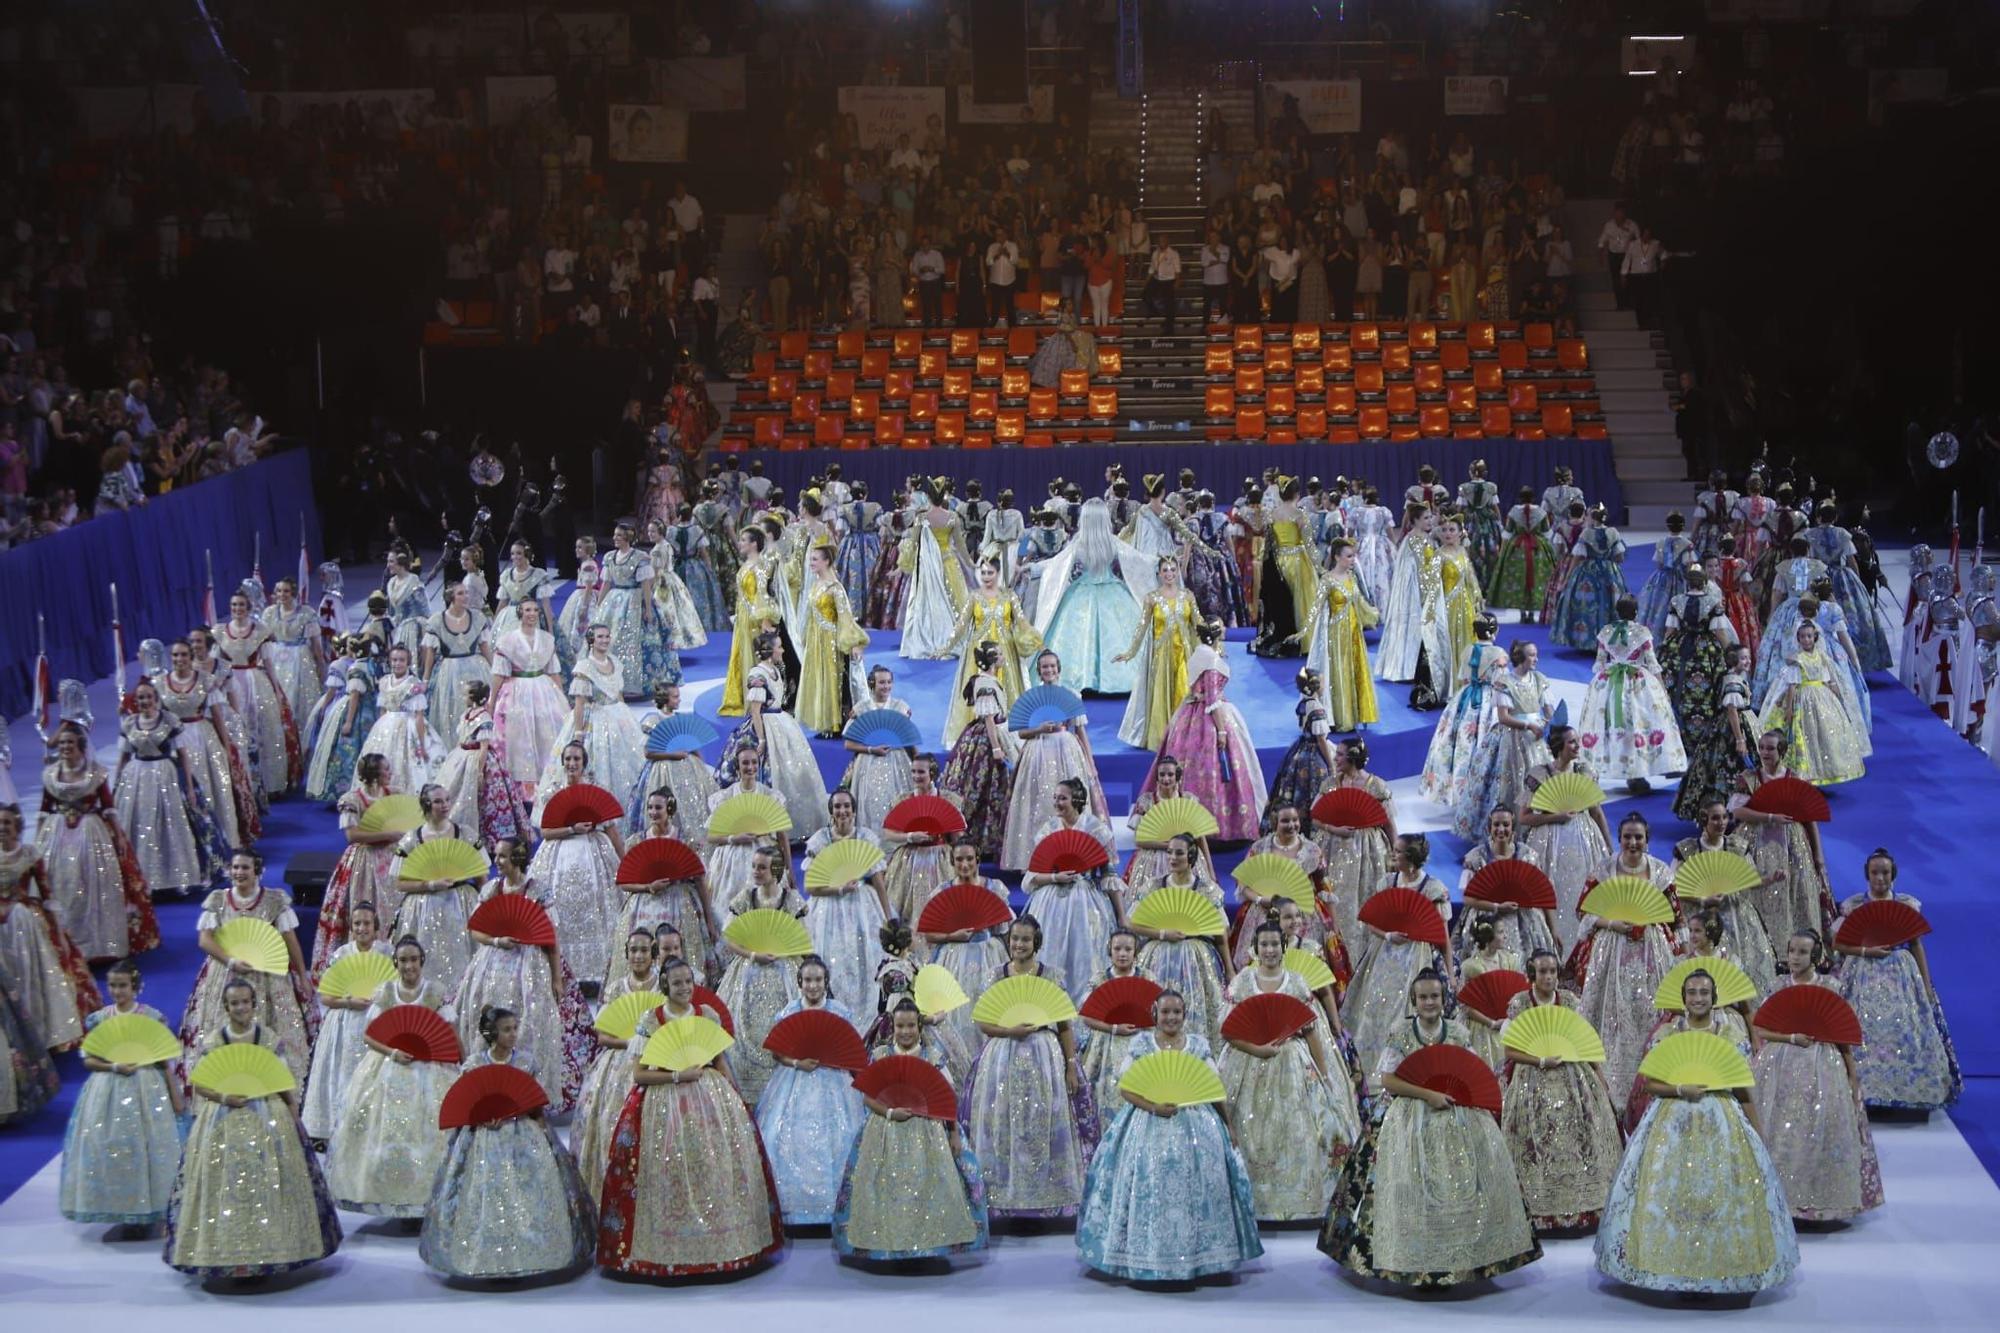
{"x":918,"y":388}
{"x":1345,"y":383}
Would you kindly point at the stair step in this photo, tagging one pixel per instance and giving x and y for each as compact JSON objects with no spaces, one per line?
{"x":1621,"y":424}
{"x":1593,"y":322}
{"x":1615,"y":379}
{"x":1633,"y":401}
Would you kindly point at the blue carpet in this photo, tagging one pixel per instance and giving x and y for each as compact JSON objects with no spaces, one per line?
{"x":1929,"y":797}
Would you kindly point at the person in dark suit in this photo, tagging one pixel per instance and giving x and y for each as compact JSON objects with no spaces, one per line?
{"x":1695,"y":426}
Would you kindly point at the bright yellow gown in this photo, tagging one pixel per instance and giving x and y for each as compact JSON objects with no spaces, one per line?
{"x":1349,"y":685}
{"x":831,"y":634}
{"x":1460,"y":603}
{"x":1168,"y":631}
{"x":999,"y":620}
{"x":754,"y":609}
{"x":1295,"y":562}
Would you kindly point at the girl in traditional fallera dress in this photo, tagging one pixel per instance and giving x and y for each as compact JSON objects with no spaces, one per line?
{"x":1627,"y":722}
{"x":434,"y":911}
{"x":1378,"y":996}
{"x":1198,"y":968}
{"x":686,"y":775}
{"x":1697,"y":1205}
{"x":608,"y":1081}
{"x":1520,"y":931}
{"x":401,"y":733}
{"x":1087,"y":603}
{"x":1701,"y":669}
{"x":1050,"y":753}
{"x":457,"y":647}
{"x":50,"y":981}
{"x":386,"y":1145}
{"x":786,"y":757}
{"x":687,"y":1189}
{"x":598,"y":719}
{"x":338,"y":1047}
{"x":28,"y":1078}
{"x":123,"y":1145}
{"x":1455,"y":738}
{"x":990,"y":615}
{"x":845,"y":920}
{"x":1791,"y":584}
{"x":973,"y":957}
{"x":1167,"y":1198}
{"x":1526,"y":562}
{"x":1621,"y":965}
{"x":1336,"y":652}
{"x":1219,"y":766}
{"x":809,"y":1114}
{"x":253,"y":692}
{"x":1429,"y":1198}
{"x":578,"y":867}
{"x":911,"y":1188}
{"x":1149,"y":861}
{"x":694,"y":559}
{"x":728,"y":858}
{"x":1476,"y":942}
{"x":249,"y":1200}
{"x":239,"y":729}
{"x":292,"y":653}
{"x":530,"y":710}
{"x":1287,"y":839}
{"x":1103,"y":1045}
{"x":1732,"y":577}
{"x":362,"y":874}
{"x":859,"y":553}
{"x":1450,"y":632}
{"x":1372,"y":526}
{"x":1356,"y":858}
{"x":521,"y":582}
{"x":1849,"y":680}
{"x":674,"y":609}
{"x":1510,"y":745}
{"x":877,"y":776}
{"x":481,"y":799}
{"x":508,"y":1202}
{"x":1287,"y":578}
{"x":1026,"y":1107}
{"x":830,"y":680}
{"x":933,"y":565}
{"x":681,"y":905}
{"x":1307,"y":766}
{"x":1833,"y":546}
{"x":349,"y":717}
{"x":1568,"y":847}
{"x":528,"y":980}
{"x":1667,"y":583}
{"x":1823,"y":739}
{"x":1906,"y":1060}
{"x":1479,"y":502}
{"x":185,"y":693}
{"x":281,"y":1007}
{"x":1292,"y":1104}
{"x":1810,"y":1110}
{"x":1412,"y":592}
{"x":1168,"y":620}
{"x":978,"y":769}
{"x":1698,"y":1012}
{"x":580,"y":609}
{"x":1739,"y":928}
{"x":1786,"y":852}
{"x":1078,"y":911}
{"x":94,"y":885}
{"x":756,"y":987}
{"x":756,"y":615}
{"x":150,"y":791}
{"x":1558,"y":1119}
{"x":1592,"y":587}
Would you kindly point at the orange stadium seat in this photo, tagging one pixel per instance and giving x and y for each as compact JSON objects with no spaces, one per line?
{"x":1338,"y":360}
{"x":848,"y":346}
{"x":1249,"y":381}
{"x":1522,"y":401}
{"x":987,"y":364}
{"x":1374,"y":423}
{"x":981,"y":404}
{"x":1103,"y":403}
{"x":1489,"y":379}
{"x":1248,"y":340}
{"x":1310,"y":380}
{"x":1010,"y":427}
{"x":1496,"y":421}
{"x":1368,"y":380}
{"x":1513,"y":355}
{"x":1462,"y":400}
{"x":889,"y":433}
{"x":792,"y":348}
{"x":924,"y":405}
{"x":840,"y":386}
{"x":1480,"y":337}
{"x":1402,"y":400}
{"x":1020,"y":344}
{"x":1434,"y":421}
{"x":1312,"y":423}
{"x":1423,"y":337}
{"x":1041,"y":405}
{"x":767,"y":430}
{"x":957,"y":384}
{"x":1340,"y":402}
{"x":1429,"y":380}
{"x":1305,"y":337}
{"x":897,"y":385}
{"x":1556,"y":420}
{"x":950,"y":428}
{"x":1013,"y":384}
{"x":1220,"y":402}
{"x":1110,"y":361}
{"x":1538,"y":337}
{"x":1278,"y":361}
{"x":1281,"y":401}
{"x":1572,"y":355}
{"x":1365,"y":337}
{"x":805,"y":406}
{"x":1396,"y":359}
{"x":874,"y":366}
{"x":818,"y":364}
{"x":905,"y":344}
{"x":1250,"y":423}
{"x":1454,"y":357}
{"x":1073,"y":383}
{"x":1218,"y":359}
{"x":964,"y":344}
{"x":931,"y":363}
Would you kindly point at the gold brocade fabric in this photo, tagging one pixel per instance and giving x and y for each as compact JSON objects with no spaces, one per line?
{"x":1295,"y":562}
{"x":905,"y":1194}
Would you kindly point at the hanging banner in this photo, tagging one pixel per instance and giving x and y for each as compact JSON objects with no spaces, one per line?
{"x":648,"y":133}
{"x":1475,"y":95}
{"x":1328,"y":106}
{"x":712,"y":83}
{"x":411,"y":107}
{"x":1039,"y":109}
{"x":512,"y":96}
{"x":606,"y":37}
{"x":468,"y":41}
{"x":880,"y":114}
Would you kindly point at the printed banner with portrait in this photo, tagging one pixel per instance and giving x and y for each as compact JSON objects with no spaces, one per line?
{"x":1039,"y":109}
{"x":1475,"y":95}
{"x":881,"y":114}
{"x":1327,"y":106}
{"x":642,"y":132}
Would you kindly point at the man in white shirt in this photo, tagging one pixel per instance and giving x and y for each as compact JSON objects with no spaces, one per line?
{"x":1163,"y":275}
{"x":927,"y":268}
{"x":1003,"y":260}
{"x":1612,"y":242}
{"x":905,"y":158}
{"x":1214,"y":278}
{"x":558,"y":263}
{"x":1281,"y":261}
{"x":1643,"y":258}
{"x":686,"y":209}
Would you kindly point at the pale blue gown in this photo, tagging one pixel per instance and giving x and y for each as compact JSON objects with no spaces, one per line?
{"x":1095,"y":620}
{"x":122,"y":1149}
{"x":809,"y":1121}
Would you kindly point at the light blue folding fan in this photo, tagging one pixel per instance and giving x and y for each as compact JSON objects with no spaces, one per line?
{"x":884,"y":726}
{"x":680,"y":733}
{"x":1044,"y":705}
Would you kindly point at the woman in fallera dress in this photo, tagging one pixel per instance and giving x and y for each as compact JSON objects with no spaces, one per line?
{"x":1077,"y":911}
{"x":1287,"y":839}
{"x":1378,"y":996}
{"x":608,"y":1081}
{"x":238,"y":728}
{"x":1833,"y":546}
{"x":911,"y":1188}
{"x":859,"y":553}
{"x":991,"y":615}
{"x":1592,"y":587}
{"x":49,"y":979}
{"x":1167,"y":1198}
{"x":578,"y":868}
{"x":457,"y":648}
{"x":933,"y":566}
{"x":973,"y":957}
{"x":279,"y":1005}
{"x":1455,"y":738}
{"x":1510,"y":744}
{"x":1479,"y":502}
{"x":1148,"y":864}
{"x":684,"y":775}
{"x":1101,"y":1057}
{"x":682,"y":905}
{"x":1520,"y":931}
{"x":756,"y":987}
{"x":338,"y":1047}
{"x":694,"y":560}
{"x":529,"y":980}
{"x":1449,"y":633}
{"x":580,"y":608}
{"x":386,"y":1146}
{"x":530,"y":710}
{"x":1196,"y":968}
{"x":1697,"y":1205}
{"x":600,"y":721}
{"x":978,"y":769}
{"x":1414,"y":587}
{"x":1738,"y":932}
{"x":1336,"y":651}
{"x":728,"y":858}
{"x":1476,"y":943}
{"x":756,"y":615}
{"x":292,"y":652}
{"x":1558,"y":1119}
{"x":1627,"y":721}
{"x":1026,"y":1107}
{"x":1906,"y":1060}
{"x":1357,"y":859}
{"x":150,"y":790}
{"x":521,"y":581}
{"x":1429,"y":1197}
{"x":481,"y":799}
{"x":253,"y":692}
{"x":1287,"y":579}
{"x":224,"y":788}
{"x":877,"y":776}
{"x":674,"y":608}
{"x":1526,"y":563}
{"x":1824,"y":739}
{"x":433,"y":911}
{"x":786,"y":757}
{"x":508,"y":1202}
{"x":362,"y":874}
{"x":1292,"y":1105}
{"x":1668,"y":583}
{"x":28,"y":1078}
{"x":1810,"y":1110}
{"x":1087,"y":602}
{"x":122,"y":1148}
{"x":1307,"y":766}
{"x":687,"y":1189}
{"x":845,"y":920}
{"x":1568,"y":521}
{"x":1050,"y":753}
{"x":94,"y":885}
{"x":1786,"y":852}
{"x":348,"y":717}
{"x":918,"y":863}
{"x":1168,"y":621}
{"x":1568,"y":847}
{"x":401,"y":733}
{"x":249,"y":1200}
{"x":809,"y":1113}
{"x":1621,"y":965}
{"x":830,"y":677}
{"x":1219,"y":765}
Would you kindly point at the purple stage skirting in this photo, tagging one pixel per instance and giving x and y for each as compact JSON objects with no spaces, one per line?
{"x":1219,"y":467}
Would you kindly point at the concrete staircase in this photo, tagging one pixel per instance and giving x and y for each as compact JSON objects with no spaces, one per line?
{"x":1635,"y":382}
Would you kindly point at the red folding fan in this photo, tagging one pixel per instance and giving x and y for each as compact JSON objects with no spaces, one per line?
{"x":581,"y":804}
{"x":909,"y":1083}
{"x":931,"y":815}
{"x":516,"y":916}
{"x":1406,"y":912}
{"x":417,"y":1032}
{"x":703,"y":997}
{"x":1490,"y":992}
{"x":963,"y":907}
{"x":1266,"y":1020}
{"x":816,"y":1034}
{"x":1127,"y":1000}
{"x":1813,"y":1011}
{"x":1068,"y":851}
{"x":658,"y":859}
{"x":1514,"y":882}
{"x":489,"y":1093}
{"x":1883,"y":924}
{"x":1792,"y":798}
{"x":1349,"y":807}
{"x":1455,"y":1072}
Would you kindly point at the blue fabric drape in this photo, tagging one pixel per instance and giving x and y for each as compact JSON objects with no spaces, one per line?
{"x":154,"y":555}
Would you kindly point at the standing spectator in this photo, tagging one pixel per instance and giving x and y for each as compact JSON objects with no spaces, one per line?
{"x":1214,"y":278}
{"x":1074,"y":272}
{"x":1048,"y":254}
{"x":558,"y":273}
{"x":1101,"y":273}
{"x":1003,"y":260}
{"x":971,"y":285}
{"x":778,"y":279}
{"x":687,"y":216}
{"x":1561,"y":255}
{"x":1163,"y":275}
{"x":707,"y":296}
{"x":1281,"y":262}
{"x":1643,"y":258}
{"x":1618,"y":236}
{"x":1694,"y":424}
{"x":927,"y":267}
{"x":1342,"y":269}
